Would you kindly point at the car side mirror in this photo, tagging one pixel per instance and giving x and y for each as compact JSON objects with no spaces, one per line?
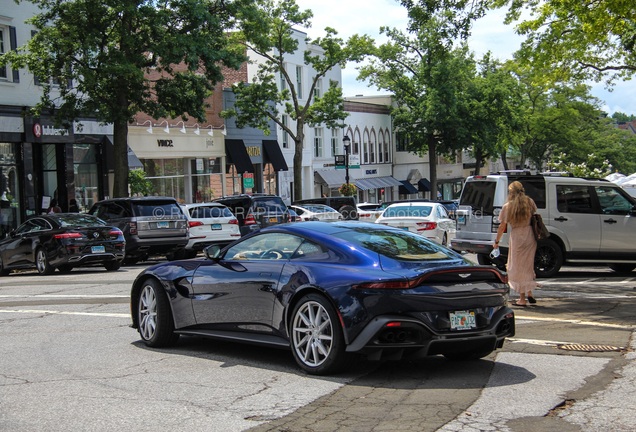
{"x":633,"y":211}
{"x":212,"y":252}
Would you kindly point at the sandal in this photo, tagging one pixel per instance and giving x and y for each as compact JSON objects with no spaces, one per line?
{"x":532,"y":300}
{"x":519,"y":304}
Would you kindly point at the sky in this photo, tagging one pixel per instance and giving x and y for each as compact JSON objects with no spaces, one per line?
{"x":349,"y":17}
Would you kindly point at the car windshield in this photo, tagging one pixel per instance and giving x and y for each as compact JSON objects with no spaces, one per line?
{"x":269,"y":205}
{"x":408,"y":211}
{"x":209,"y":212}
{"x":157,"y":208}
{"x":79,"y":220}
{"x":396,"y":244}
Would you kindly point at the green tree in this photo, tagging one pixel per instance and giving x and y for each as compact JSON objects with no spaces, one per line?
{"x":263,"y":100}
{"x":619,"y":116}
{"x":428,"y":78}
{"x":138,"y":182}
{"x":100,"y":55}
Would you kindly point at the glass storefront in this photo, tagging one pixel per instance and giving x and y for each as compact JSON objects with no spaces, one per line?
{"x":9,"y":201}
{"x":205,"y":186}
{"x":86,"y":175}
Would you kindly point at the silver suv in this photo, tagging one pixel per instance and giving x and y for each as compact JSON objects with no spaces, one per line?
{"x":591,"y":221}
{"x":151,"y":225}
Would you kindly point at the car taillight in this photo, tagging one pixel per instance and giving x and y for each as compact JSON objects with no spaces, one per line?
{"x":425,"y":226}
{"x":195,"y":223}
{"x":233,"y":222}
{"x":68,"y":235}
{"x":133,"y":227}
{"x":115,"y":232}
{"x":249,"y":220}
{"x":364,"y":214}
{"x":384,"y":285}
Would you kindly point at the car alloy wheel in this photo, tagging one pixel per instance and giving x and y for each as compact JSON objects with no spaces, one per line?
{"x":42,"y":262}
{"x":548,"y":258}
{"x":317,"y":339}
{"x":154,"y":317}
{"x":313,"y":334}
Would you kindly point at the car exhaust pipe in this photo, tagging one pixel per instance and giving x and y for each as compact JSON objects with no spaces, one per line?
{"x":401,"y":336}
{"x":390,"y":336}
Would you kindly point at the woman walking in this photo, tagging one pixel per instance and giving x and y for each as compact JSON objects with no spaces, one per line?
{"x":522,"y":245}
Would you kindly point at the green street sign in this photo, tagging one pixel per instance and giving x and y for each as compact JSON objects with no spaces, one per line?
{"x":248,"y":180}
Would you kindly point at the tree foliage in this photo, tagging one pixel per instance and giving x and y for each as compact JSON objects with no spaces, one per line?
{"x":100,"y":56}
{"x":138,"y":182}
{"x":264,"y":99}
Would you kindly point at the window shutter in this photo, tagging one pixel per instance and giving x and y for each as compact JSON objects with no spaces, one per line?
{"x":14,"y":46}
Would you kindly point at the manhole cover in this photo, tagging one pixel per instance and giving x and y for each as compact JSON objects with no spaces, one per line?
{"x":589,"y":348}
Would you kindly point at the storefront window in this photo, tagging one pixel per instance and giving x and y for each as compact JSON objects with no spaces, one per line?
{"x":86,"y":176}
{"x":206,"y":179}
{"x":9,"y":215}
{"x":269,"y":177}
{"x":166,"y":176}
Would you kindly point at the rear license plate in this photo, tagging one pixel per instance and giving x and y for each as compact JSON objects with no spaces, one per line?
{"x":216,"y":226}
{"x":405,"y":228}
{"x":273,"y":220}
{"x":98,"y":249}
{"x":462,"y":320}
{"x":461,"y":220}
{"x":163,"y":224}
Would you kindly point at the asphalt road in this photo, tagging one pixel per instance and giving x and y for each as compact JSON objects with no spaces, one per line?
{"x":70,"y":361}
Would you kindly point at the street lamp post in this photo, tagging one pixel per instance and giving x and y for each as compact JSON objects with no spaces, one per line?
{"x":346,"y":143}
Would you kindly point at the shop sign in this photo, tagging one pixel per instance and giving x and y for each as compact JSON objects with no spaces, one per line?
{"x":248,"y":180}
{"x":164,"y":143}
{"x":199,"y":166}
{"x":354,"y":161}
{"x":253,"y":151}
{"x":41,"y":131}
{"x":370,"y":172}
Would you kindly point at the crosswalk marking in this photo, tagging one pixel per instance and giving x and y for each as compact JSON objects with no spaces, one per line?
{"x":51,"y":312}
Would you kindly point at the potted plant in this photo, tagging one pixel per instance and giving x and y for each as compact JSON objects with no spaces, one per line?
{"x":347,"y":189}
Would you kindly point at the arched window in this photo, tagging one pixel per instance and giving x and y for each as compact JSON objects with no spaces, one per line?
{"x":381,"y":147}
{"x":373,"y":146}
{"x":365,"y":146}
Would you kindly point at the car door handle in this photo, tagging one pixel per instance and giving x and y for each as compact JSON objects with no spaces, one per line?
{"x":266,"y":274}
{"x":610,"y":221}
{"x":561,"y":219}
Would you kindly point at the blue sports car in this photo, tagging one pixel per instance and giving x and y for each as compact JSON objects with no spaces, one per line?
{"x":329,"y":291}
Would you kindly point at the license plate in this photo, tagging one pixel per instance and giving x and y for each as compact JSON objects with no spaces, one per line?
{"x":273,"y":220}
{"x":461,"y":219}
{"x":163,"y":224}
{"x":216,"y":226}
{"x":98,"y":249}
{"x":462,"y":320}
{"x":405,"y":228}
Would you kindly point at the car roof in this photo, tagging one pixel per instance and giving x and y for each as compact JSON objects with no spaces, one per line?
{"x":208,"y":204}
{"x":410,"y":204}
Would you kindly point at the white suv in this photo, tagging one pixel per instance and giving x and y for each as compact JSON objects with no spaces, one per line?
{"x":590,"y":220}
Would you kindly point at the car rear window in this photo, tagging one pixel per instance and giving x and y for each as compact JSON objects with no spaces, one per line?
{"x":396,"y":244}
{"x":79,"y":221}
{"x":157,"y":209}
{"x":408,"y":211}
{"x":269,"y":205}
{"x":209,"y":212}
{"x":480,"y":195}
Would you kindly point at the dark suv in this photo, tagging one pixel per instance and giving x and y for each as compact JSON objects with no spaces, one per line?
{"x":256,"y":211}
{"x":151,"y":225}
{"x":344,"y":204}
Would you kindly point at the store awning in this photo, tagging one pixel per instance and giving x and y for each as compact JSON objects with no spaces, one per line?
{"x":332,"y":178}
{"x":376,"y":182}
{"x":275,"y":156}
{"x":424,"y":185}
{"x":237,"y":154}
{"x":407,"y":188}
{"x":133,"y":160}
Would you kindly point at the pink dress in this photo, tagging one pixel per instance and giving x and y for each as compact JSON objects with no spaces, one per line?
{"x":522,"y":246}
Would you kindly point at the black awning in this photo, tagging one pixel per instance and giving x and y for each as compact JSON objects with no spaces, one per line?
{"x":237,"y":154}
{"x":424,"y":185}
{"x":407,"y":188}
{"x":274,"y":155}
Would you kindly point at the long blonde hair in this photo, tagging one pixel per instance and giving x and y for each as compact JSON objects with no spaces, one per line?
{"x":519,"y":209}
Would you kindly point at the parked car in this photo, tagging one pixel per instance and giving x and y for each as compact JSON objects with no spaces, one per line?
{"x":151,"y":225}
{"x":369,"y":212}
{"x":590,"y":220}
{"x":293,"y":216}
{"x":209,"y":223}
{"x":329,"y":292}
{"x":317,"y":212}
{"x":256,"y":211}
{"x":428,"y":219}
{"x":451,"y":207}
{"x":62,"y":241}
{"x":345,"y":205}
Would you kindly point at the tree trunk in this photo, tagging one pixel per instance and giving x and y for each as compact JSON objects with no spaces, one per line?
{"x":298,"y":160}
{"x":120,"y":147}
{"x":504,"y":160}
{"x":478,"y":157}
{"x":432,"y":161}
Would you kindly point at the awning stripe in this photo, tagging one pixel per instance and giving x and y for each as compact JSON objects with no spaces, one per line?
{"x":235,"y":149}
{"x":407,"y":188}
{"x":332,"y":178}
{"x":275,"y":156}
{"x":376,"y":182}
{"x":424,"y":185}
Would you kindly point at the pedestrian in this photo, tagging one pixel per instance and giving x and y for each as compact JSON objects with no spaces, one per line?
{"x":53,"y":207}
{"x":517,"y":212}
{"x":72,"y":206}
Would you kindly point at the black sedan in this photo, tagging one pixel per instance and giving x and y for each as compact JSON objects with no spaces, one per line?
{"x":62,"y":241}
{"x":329,"y":292}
